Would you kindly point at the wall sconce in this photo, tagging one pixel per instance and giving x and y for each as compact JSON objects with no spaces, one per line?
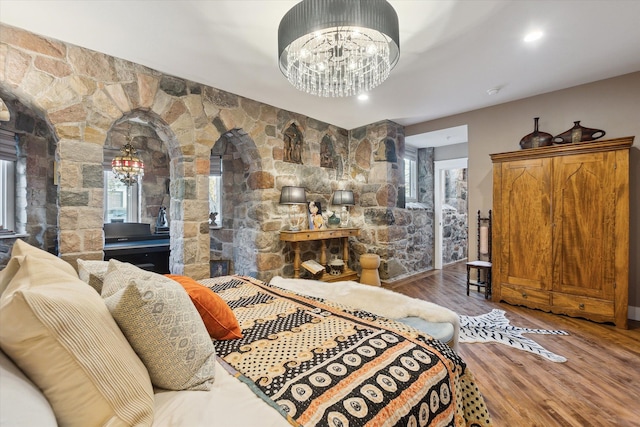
{"x":128,"y":166}
{"x":345,"y":199}
{"x":294,"y":197}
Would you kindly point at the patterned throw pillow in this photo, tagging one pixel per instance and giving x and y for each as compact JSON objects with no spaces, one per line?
{"x":61,"y":335}
{"x":216,"y":314}
{"x":162,"y":325}
{"x":92,"y":272}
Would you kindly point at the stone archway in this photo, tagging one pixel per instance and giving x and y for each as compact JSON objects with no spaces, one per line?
{"x":140,"y":127}
{"x":82,"y":94}
{"x":35,"y":187}
{"x":246,"y":188}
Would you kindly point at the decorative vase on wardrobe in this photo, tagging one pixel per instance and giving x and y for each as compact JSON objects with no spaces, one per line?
{"x":536,"y":138}
{"x":578,"y":134}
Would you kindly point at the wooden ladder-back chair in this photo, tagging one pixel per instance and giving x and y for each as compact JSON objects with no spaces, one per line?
{"x":483,"y":264}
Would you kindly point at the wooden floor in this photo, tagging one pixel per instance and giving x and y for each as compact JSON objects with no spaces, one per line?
{"x":598,"y":386}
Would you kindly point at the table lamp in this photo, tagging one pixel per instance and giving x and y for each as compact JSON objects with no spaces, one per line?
{"x":345,"y":199}
{"x":294,"y":197}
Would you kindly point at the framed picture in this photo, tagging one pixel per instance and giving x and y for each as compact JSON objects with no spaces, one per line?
{"x":219,"y":267}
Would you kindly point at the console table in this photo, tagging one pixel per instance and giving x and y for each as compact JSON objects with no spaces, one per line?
{"x":295,"y":237}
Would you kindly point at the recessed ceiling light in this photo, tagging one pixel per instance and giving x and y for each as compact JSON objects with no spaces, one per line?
{"x":533,"y":36}
{"x":363,"y":97}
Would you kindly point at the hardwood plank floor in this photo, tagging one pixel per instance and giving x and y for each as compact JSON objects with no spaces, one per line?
{"x":598,"y":386}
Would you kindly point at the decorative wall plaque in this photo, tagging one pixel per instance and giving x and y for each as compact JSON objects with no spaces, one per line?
{"x":293,"y":144}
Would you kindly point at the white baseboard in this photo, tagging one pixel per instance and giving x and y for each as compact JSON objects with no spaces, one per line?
{"x":634,"y":313}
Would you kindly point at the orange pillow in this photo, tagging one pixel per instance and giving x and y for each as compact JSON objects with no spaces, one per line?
{"x":218,"y":317}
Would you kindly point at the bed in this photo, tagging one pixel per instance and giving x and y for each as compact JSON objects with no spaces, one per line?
{"x":120,"y":346}
{"x":318,"y":362}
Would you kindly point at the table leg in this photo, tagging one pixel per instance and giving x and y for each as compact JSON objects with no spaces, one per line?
{"x":345,"y":251}
{"x":323,"y":252}
{"x":296,"y":260}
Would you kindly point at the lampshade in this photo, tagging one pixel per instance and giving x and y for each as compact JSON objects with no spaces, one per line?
{"x":336,"y":48}
{"x":343,"y":197}
{"x":127,"y":167}
{"x":293,"y":196}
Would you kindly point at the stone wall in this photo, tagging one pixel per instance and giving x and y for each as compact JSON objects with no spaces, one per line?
{"x":36,"y":195}
{"x":86,"y":96}
{"x":403,"y":238}
{"x":455,"y":217}
{"x":454,"y":235}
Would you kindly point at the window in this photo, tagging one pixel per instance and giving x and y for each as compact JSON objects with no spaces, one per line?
{"x":215,"y":190}
{"x":411,"y":175}
{"x":120,"y":201}
{"x":8,"y":160}
{"x":7,"y":195}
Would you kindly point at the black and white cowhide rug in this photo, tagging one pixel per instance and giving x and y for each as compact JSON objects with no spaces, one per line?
{"x":494,"y":326}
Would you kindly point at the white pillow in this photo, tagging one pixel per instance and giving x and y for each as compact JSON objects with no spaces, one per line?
{"x":60,"y":333}
{"x":162,"y":325}
{"x":22,"y":403}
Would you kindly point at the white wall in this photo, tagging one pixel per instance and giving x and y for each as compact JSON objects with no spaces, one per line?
{"x":612,"y":105}
{"x":449,"y":152}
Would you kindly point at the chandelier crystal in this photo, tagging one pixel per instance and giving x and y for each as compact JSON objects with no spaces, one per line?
{"x":128,"y":166}
{"x":338,"y":48}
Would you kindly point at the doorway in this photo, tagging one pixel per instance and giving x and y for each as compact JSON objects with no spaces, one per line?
{"x":451,"y":211}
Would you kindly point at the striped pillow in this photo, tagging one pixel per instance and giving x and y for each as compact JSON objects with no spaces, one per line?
{"x":60,"y":333}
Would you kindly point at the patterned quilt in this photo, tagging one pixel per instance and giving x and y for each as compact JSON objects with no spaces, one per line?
{"x":323,"y":364}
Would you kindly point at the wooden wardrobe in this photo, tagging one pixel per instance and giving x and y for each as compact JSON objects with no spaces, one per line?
{"x":561,"y":229}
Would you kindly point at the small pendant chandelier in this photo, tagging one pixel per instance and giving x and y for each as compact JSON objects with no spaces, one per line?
{"x":338,"y":48}
{"x":128,"y":166}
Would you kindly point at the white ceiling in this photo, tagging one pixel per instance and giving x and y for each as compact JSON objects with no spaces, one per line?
{"x":451,"y":52}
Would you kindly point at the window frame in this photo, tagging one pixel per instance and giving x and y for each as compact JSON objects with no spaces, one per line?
{"x":8,"y":195}
{"x":8,"y":180}
{"x":215,"y":175}
{"x":411,"y":174}
{"x":132,"y":194}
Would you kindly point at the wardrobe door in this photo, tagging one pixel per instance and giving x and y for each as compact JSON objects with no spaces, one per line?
{"x":584,"y":207}
{"x":525,"y":224}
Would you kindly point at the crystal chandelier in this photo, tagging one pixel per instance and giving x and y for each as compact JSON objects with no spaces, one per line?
{"x":336,"y":48}
{"x":128,"y":166}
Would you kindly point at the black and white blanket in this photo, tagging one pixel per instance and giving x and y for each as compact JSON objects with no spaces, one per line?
{"x":321,"y":363}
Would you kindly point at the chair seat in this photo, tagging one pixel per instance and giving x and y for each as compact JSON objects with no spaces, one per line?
{"x":481,"y":264}
{"x":485,"y":283}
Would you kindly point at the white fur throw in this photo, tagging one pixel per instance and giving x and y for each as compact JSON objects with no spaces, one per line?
{"x":380,"y":301}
